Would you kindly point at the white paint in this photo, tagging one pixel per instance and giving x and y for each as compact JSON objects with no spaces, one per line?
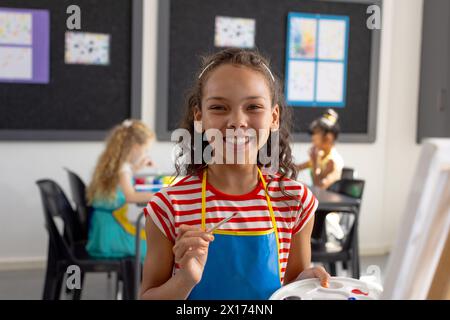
{"x":386,"y":165}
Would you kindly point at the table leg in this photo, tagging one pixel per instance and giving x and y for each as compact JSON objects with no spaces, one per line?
{"x":355,"y":260}
{"x":137,"y":259}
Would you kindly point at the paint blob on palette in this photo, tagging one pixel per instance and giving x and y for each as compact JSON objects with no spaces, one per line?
{"x":340,"y":288}
{"x":87,"y":48}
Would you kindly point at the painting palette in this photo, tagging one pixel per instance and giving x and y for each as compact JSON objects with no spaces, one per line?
{"x":340,"y":288}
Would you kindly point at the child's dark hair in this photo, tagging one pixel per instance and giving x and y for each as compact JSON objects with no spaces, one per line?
{"x":327,"y":123}
{"x":252,"y":60}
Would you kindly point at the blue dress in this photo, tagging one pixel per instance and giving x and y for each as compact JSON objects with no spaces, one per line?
{"x":111,"y":235}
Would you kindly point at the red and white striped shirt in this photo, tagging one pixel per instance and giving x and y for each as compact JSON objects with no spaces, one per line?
{"x":181,"y":204}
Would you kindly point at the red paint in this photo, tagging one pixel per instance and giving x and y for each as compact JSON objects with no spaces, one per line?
{"x":357,"y":291}
{"x":139,"y":180}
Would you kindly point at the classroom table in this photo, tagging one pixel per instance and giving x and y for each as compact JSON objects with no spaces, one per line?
{"x":328,"y":202}
{"x":332,"y":201}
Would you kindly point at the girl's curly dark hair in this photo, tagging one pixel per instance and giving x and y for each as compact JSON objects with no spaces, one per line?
{"x":255,"y":61}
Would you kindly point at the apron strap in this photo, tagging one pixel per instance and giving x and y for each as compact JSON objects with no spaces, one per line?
{"x":269,"y":205}
{"x":272,"y":216}
{"x":204,"y":200}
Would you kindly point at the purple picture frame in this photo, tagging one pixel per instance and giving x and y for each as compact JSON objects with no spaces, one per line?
{"x":40,"y":46}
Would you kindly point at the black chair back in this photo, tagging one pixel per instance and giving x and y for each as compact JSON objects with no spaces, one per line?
{"x":349,"y":187}
{"x":78,"y":191}
{"x":55,"y":204}
{"x":348,"y":173}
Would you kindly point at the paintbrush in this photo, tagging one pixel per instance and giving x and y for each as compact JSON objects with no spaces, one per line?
{"x":224,"y":220}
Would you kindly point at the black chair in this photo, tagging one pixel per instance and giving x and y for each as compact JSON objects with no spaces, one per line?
{"x":64,"y":250}
{"x":348,"y":173}
{"x":84,"y":211}
{"x":78,"y":192}
{"x":347,"y":253}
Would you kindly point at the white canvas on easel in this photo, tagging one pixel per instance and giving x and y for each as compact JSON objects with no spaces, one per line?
{"x":425,"y":226}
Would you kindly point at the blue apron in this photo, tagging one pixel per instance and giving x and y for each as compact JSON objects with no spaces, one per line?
{"x":241,"y":264}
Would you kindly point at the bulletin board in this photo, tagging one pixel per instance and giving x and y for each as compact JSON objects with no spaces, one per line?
{"x":316,"y":60}
{"x":82,"y":97}
{"x":186,"y":31}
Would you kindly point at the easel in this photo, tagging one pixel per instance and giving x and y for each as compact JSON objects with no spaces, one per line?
{"x":440,"y":287}
{"x":420,"y":259}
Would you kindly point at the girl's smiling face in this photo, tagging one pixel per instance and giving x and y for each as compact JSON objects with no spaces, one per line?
{"x":237,"y":101}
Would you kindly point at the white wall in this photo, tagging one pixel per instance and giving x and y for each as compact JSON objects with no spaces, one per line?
{"x":386,"y":165}
{"x":402,"y":88}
